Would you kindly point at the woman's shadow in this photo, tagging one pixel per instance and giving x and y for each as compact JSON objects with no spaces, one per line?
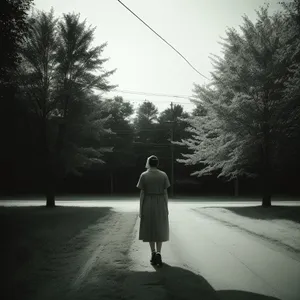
{"x":179,"y":284}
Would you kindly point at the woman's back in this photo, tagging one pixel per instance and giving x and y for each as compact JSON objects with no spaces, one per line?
{"x":154,"y":181}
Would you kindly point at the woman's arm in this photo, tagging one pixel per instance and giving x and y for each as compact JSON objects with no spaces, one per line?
{"x":142,"y":194}
{"x":140,"y":185}
{"x":166,"y":186}
{"x":166,"y":199}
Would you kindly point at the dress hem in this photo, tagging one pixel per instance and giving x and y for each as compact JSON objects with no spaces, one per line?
{"x":146,"y":241}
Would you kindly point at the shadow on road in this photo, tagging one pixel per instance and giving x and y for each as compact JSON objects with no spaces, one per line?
{"x":179,"y":284}
{"x":291,"y":213}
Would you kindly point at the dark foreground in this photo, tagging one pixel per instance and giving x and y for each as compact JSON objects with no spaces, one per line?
{"x":29,"y":238}
{"x":83,"y":253}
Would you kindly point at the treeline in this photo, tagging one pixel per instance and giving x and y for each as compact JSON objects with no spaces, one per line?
{"x":64,"y":134}
{"x":60,"y":134}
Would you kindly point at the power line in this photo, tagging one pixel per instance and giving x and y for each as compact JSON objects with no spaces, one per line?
{"x":159,"y":101}
{"x":162,"y":39}
{"x":151,"y":94}
{"x":164,"y":102}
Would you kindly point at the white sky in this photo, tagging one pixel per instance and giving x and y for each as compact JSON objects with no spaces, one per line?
{"x":144,"y":62}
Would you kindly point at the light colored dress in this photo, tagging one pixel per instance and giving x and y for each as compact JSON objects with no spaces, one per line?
{"x":154,"y":224}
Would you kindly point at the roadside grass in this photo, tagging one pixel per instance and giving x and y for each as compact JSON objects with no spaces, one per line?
{"x":290,"y":213}
{"x":279,"y":225}
{"x":30,"y":236}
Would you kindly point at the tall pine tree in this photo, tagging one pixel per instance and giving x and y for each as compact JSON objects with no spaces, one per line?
{"x":237,"y":135}
{"x":59,"y":72}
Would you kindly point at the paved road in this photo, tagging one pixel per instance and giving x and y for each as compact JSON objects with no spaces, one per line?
{"x":204,"y":260}
{"x":228,"y":259}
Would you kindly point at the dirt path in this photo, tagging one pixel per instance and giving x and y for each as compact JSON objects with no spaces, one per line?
{"x":90,"y":266}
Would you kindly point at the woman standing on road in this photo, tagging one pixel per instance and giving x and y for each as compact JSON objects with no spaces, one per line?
{"x":154,"y":212}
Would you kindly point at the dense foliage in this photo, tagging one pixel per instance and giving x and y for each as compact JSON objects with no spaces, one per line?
{"x":67,"y":135}
{"x":250,"y":120}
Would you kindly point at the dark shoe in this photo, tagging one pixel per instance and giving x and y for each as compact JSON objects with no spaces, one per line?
{"x":158,"y":259}
{"x":153,"y":258}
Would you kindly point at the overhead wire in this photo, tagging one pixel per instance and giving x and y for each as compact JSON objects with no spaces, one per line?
{"x":151,"y":94}
{"x":159,"y":101}
{"x":174,"y":102}
{"x":163,"y":39}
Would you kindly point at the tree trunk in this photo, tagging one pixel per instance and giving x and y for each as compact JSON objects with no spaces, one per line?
{"x":52,"y":163}
{"x":266,"y":201}
{"x":55,"y":166}
{"x":47,"y":169}
{"x":267,"y":193}
{"x":111,"y":182}
{"x":50,"y":198}
{"x":267,"y":172}
{"x":236,"y":187}
{"x":8,"y":137}
{"x":50,"y":185}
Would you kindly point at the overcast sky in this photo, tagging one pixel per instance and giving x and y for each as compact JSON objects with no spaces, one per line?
{"x":145,"y":63}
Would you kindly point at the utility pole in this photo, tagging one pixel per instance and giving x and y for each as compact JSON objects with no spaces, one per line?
{"x":172,"y":152}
